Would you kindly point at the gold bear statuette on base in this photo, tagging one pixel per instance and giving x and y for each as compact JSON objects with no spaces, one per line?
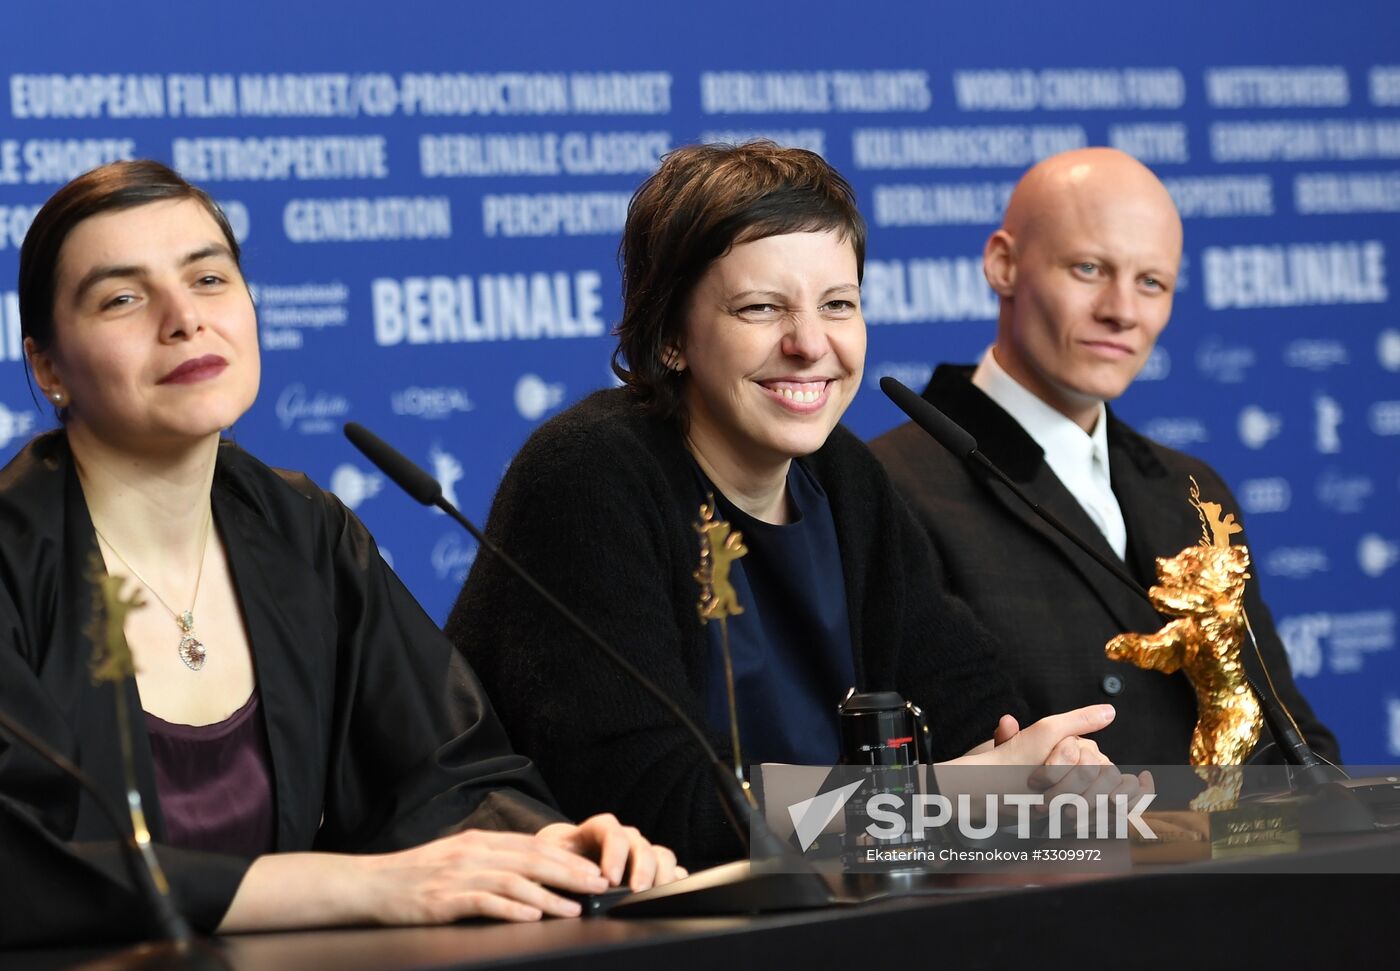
{"x":1203,"y":588}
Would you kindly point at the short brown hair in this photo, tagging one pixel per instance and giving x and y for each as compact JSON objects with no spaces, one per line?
{"x":703,"y":200}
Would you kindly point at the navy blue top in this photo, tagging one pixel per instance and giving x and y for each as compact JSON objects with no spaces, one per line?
{"x":791,"y":647}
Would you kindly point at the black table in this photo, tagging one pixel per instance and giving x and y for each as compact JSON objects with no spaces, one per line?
{"x":1246,"y":914}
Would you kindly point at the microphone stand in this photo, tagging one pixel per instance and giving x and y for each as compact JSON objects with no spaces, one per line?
{"x":1315,"y":778}
{"x":774,"y":878}
{"x":179,"y":949}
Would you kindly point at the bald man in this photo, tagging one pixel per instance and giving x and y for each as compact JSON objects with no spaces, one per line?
{"x":1084,"y":266}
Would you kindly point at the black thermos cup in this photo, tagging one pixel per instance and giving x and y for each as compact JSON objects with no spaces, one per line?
{"x":887,"y":738}
{"x":881,"y":728}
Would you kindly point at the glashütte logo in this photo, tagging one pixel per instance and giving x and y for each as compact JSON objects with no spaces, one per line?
{"x":452,"y":559}
{"x":430,"y":403}
{"x":311,"y":414}
{"x":534,"y":396}
{"x":13,"y":425}
{"x":353,"y":486}
{"x":1257,"y":426}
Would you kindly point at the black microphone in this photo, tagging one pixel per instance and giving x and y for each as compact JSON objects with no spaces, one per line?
{"x":420,"y":486}
{"x":960,"y":442}
{"x":757,"y":838}
{"x":948,"y":433}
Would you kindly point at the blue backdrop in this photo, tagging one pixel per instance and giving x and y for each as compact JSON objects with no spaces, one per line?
{"x":429,"y":197}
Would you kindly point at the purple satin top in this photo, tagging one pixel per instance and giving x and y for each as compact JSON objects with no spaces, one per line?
{"x":215,"y":782}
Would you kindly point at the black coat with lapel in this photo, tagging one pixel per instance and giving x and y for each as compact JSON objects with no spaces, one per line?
{"x":1051,"y":606}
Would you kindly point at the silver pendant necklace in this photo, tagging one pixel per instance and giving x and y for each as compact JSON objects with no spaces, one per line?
{"x":191,"y":649}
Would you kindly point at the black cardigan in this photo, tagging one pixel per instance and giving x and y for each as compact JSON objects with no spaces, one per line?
{"x":380,"y":736}
{"x":592,"y":506}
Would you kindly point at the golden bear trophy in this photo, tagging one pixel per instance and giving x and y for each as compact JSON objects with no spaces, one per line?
{"x":720,"y":546}
{"x":1203,"y":588}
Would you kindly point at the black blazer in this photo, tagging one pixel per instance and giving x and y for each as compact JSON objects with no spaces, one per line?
{"x":380,"y":736}
{"x":1051,"y":606}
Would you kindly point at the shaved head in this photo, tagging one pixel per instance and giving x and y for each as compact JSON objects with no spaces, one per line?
{"x":1074,"y":179}
{"x":1085,"y":264}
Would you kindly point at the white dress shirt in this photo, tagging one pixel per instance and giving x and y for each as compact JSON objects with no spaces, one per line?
{"x":1078,"y":459}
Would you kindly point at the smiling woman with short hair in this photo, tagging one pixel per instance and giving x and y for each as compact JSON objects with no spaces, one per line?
{"x":741,"y":345}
